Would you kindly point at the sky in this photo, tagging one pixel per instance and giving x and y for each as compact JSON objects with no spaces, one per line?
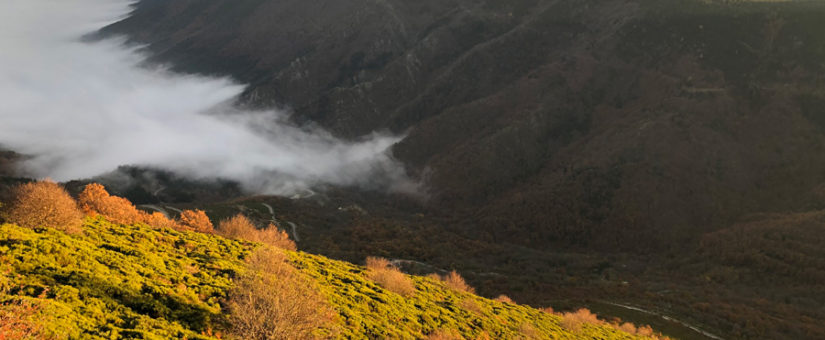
{"x":79,"y":109}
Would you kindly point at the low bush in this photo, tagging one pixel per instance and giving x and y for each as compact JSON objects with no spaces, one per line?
{"x":455,"y":281}
{"x":505,"y":299}
{"x":44,"y":204}
{"x":573,"y":321}
{"x":240,"y":227}
{"x":388,"y":276}
{"x":276,"y":237}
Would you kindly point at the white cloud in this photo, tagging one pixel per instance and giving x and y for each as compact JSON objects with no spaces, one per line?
{"x":81,"y":109}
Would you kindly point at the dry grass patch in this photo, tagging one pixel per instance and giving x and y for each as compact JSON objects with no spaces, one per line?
{"x":528,"y":332}
{"x":16,"y":321}
{"x":388,"y":276}
{"x":44,"y":204}
{"x":444,"y":334}
{"x":471,"y":305}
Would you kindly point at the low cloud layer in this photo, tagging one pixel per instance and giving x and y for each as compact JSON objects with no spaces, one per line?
{"x":81,"y":109}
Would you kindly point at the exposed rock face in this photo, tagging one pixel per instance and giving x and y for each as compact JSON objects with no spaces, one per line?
{"x":611,"y":123}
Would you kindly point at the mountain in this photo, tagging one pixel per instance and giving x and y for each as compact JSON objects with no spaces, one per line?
{"x":662,"y":154}
{"x":601,"y":123}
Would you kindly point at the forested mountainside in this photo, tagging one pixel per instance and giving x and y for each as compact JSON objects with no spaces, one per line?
{"x":667,"y":154}
{"x":607,"y":123}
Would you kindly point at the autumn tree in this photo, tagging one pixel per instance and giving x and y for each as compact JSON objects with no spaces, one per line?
{"x":95,"y":200}
{"x":272,"y":300}
{"x":44,"y":204}
{"x":197,"y":221}
{"x":238,"y":227}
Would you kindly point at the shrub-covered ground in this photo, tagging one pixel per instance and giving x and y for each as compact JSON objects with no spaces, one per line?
{"x":119,"y":281}
{"x":134,"y":281}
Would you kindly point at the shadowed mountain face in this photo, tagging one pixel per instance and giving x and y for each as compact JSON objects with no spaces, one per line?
{"x":669,"y":153}
{"x":618,"y":124}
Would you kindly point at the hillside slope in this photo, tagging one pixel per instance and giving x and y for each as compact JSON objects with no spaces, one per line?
{"x":627,"y":125}
{"x":138,"y":282}
{"x":613,"y":150}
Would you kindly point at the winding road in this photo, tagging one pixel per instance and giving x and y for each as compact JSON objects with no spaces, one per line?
{"x":274,"y":220}
{"x":665,"y":317}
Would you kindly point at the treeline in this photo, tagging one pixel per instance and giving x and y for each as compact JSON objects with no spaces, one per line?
{"x":47,"y":204}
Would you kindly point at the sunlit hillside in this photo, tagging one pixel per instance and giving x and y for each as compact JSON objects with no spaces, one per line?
{"x":108,"y":280}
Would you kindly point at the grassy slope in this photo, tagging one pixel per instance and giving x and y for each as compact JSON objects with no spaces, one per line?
{"x":119,"y":281}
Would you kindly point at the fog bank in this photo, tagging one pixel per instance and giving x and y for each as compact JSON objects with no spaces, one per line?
{"x":81,"y":109}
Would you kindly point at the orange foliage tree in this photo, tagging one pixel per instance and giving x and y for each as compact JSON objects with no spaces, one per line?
{"x":44,"y":204}
{"x":95,"y":200}
{"x":197,"y":221}
{"x":238,"y":227}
